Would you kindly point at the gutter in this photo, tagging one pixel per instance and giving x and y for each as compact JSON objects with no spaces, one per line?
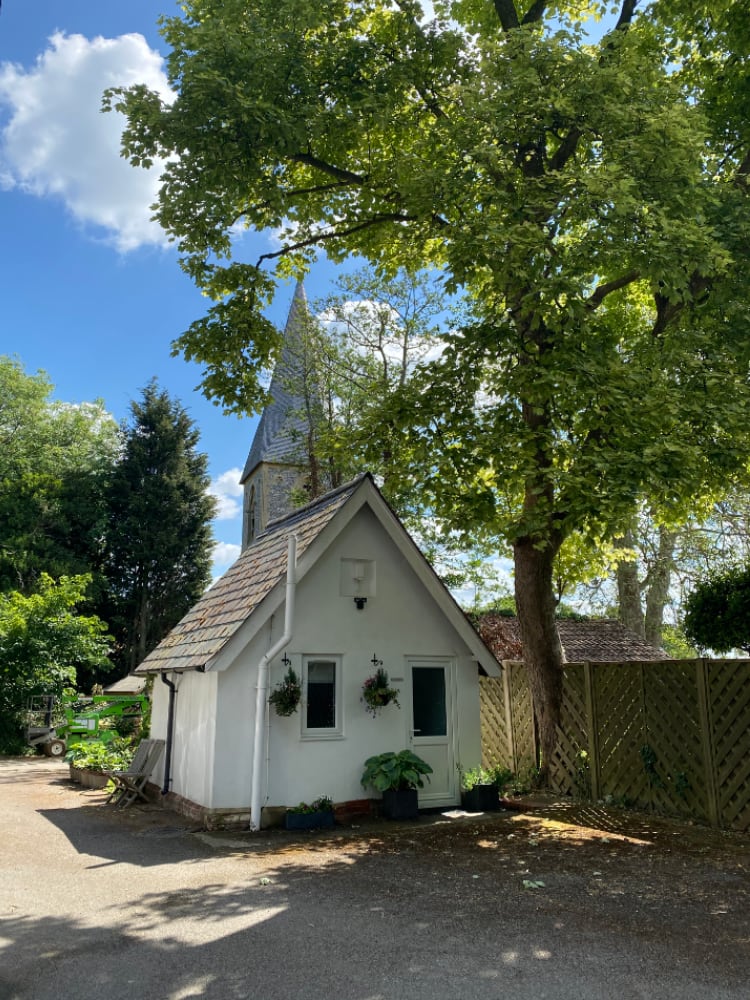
{"x":261,"y":690}
{"x":170,"y":734}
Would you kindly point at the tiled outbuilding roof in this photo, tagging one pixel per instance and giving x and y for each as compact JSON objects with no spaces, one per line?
{"x":223,"y":609}
{"x":602,"y":640}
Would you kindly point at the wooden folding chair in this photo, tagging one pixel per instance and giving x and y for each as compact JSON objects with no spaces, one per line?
{"x":129,"y":784}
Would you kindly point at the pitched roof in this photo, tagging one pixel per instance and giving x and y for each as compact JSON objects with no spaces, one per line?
{"x":211,"y":633}
{"x":283,"y":427}
{"x":218,"y":615}
{"x":602,"y":640}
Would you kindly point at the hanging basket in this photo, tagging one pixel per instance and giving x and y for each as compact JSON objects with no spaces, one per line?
{"x":376,"y":693}
{"x":287,"y":695}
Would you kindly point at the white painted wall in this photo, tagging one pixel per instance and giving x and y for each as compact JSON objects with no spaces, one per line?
{"x":212,"y":757}
{"x":194,"y":740}
{"x":401,"y":620}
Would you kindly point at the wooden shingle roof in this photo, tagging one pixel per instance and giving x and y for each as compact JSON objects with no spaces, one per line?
{"x":602,"y":640}
{"x":210,"y":624}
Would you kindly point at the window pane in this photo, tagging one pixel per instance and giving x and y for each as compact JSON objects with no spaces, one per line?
{"x":321,"y":694}
{"x":428,"y":687}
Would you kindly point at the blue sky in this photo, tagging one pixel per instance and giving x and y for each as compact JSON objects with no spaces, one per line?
{"x":90,"y":290}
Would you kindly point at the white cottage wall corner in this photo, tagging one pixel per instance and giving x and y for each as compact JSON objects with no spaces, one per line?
{"x":194,"y":727}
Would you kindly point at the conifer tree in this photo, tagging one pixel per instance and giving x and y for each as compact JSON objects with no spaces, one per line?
{"x":159,"y":535}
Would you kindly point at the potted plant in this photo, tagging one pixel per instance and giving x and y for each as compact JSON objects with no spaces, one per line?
{"x":397,"y":776}
{"x":376,"y":692}
{"x":318,"y":813}
{"x":480,"y":787}
{"x":90,"y":760}
{"x":286,"y":696}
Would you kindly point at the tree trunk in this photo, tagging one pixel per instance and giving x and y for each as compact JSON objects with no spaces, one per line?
{"x":659,"y":579}
{"x":629,"y":590}
{"x":542,"y":652}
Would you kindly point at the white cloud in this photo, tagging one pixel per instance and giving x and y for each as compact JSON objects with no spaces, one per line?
{"x":56,"y":142}
{"x":224,"y":554}
{"x":228,"y":493}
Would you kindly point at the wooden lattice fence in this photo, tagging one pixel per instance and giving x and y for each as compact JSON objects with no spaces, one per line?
{"x":671,"y":736}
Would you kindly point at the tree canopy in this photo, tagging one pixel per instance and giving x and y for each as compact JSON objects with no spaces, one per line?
{"x":44,"y":640}
{"x":54,"y":462}
{"x":158,"y":539}
{"x":580,"y":176}
{"x":717,"y":612}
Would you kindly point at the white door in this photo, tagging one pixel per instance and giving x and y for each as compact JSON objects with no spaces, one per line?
{"x":432,"y":728}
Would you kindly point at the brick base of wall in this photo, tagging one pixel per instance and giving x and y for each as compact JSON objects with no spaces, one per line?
{"x":233,"y":819}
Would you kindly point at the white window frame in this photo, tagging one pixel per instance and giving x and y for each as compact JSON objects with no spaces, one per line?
{"x":336,"y":731}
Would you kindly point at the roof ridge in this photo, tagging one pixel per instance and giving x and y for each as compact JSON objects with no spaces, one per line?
{"x":278,"y":522}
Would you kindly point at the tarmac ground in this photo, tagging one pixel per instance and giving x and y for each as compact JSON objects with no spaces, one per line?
{"x":562,"y":902}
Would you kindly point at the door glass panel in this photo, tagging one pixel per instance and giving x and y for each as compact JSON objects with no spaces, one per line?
{"x":321,"y":694}
{"x":428,"y":687}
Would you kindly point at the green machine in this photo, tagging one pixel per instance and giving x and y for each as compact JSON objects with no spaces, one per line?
{"x":54,"y":723}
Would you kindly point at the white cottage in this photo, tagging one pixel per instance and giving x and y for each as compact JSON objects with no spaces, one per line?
{"x":333,"y":589}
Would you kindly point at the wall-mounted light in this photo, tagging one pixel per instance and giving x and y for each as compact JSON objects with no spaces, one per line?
{"x":375,"y":661}
{"x":285,"y":660}
{"x":360,"y":602}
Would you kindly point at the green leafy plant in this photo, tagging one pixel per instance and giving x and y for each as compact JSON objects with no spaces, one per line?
{"x":92,"y":756}
{"x":498,"y":776}
{"x":525,"y":780}
{"x":395,"y":771}
{"x":376,"y":692}
{"x":322,"y":804}
{"x":287,"y":695}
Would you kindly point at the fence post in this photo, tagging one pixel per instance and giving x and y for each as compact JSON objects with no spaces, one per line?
{"x":709,"y":766}
{"x":506,"y":664}
{"x":593,"y":730}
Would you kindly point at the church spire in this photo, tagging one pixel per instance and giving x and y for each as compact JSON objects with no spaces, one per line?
{"x":278,"y":463}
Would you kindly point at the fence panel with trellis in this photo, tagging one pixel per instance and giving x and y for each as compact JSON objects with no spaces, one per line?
{"x":670,"y":736}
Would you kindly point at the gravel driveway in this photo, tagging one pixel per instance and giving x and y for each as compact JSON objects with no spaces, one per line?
{"x":560,"y":903}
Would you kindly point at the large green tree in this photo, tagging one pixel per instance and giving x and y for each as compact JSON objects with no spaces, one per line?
{"x":44,"y":641}
{"x":158,"y":539}
{"x":583,"y":182}
{"x":54,"y":462}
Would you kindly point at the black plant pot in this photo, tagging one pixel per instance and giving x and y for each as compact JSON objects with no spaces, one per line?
{"x":309,"y":821}
{"x":400,"y":803}
{"x":481,"y":798}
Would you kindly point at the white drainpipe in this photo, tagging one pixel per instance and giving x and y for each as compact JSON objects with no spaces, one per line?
{"x":261,"y":691}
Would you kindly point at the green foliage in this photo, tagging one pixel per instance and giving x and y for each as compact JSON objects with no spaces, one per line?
{"x":396,"y":771}
{"x":675,"y":643}
{"x":43,"y":640}
{"x":55,"y":459}
{"x":158,"y":537}
{"x":377,"y":693}
{"x":587,"y":196}
{"x":717,"y":613}
{"x":90,"y":755}
{"x":286,"y":696}
{"x":498,"y":775}
{"x":322,"y":804}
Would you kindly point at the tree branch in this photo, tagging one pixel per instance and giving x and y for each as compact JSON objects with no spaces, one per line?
{"x":566,"y":149}
{"x":743,"y":173}
{"x":346,"y":176}
{"x":626,"y":13}
{"x":334,"y":234}
{"x":602,"y":291}
{"x":535,"y":12}
{"x":506,"y":11}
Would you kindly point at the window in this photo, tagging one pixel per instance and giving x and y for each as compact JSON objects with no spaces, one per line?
{"x":321,"y":678}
